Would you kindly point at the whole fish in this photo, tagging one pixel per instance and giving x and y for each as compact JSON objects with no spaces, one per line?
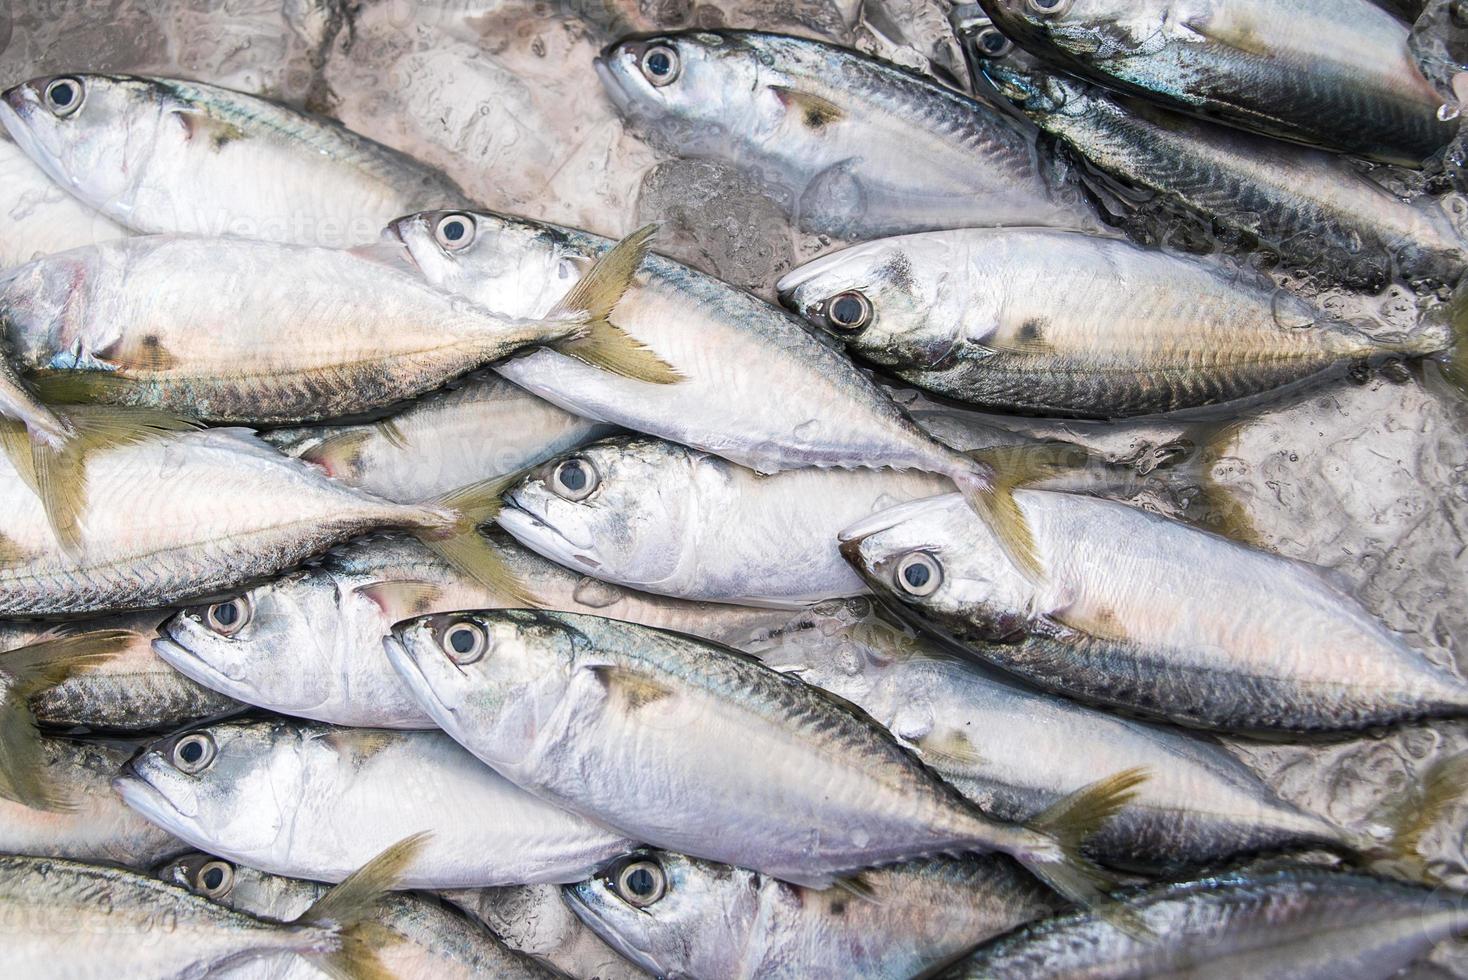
{"x":730,"y":348}
{"x":40,"y":217}
{"x":1293,"y":924}
{"x":294,"y":332}
{"x":639,"y":729}
{"x":1331,"y":73}
{"x":484,"y":429}
{"x":81,"y":921}
{"x":167,"y":156}
{"x":309,"y":643}
{"x":132,"y":690}
{"x":1146,"y":614}
{"x":423,"y":937}
{"x":677,"y":916}
{"x":1310,"y":207}
{"x":91,"y":823}
{"x":535,"y":920}
{"x":657,"y":516}
{"x":307,"y":801}
{"x":181,"y":514}
{"x":1055,"y":322}
{"x":865,"y":147}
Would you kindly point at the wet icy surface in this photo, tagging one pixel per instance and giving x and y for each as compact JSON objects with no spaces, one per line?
{"x":1367,"y":477}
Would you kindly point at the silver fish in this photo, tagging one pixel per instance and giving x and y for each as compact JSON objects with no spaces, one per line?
{"x":297,"y":332}
{"x":681,"y":917}
{"x":308,"y":801}
{"x":657,"y":516}
{"x":864,"y":147}
{"x":1055,"y":322}
{"x":639,"y":729}
{"x":82,"y":921}
{"x":422,"y":937}
{"x":40,"y":217}
{"x":1139,"y":612}
{"x":1331,"y":73}
{"x":167,"y":156}
{"x":1294,"y":924}
{"x":485,"y":428}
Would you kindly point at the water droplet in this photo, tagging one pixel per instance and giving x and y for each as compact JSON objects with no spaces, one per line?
{"x":1449,"y":111}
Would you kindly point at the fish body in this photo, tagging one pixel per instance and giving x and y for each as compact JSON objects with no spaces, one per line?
{"x":1145,"y":614}
{"x":1296,"y":924}
{"x":708,"y":921}
{"x":1309,"y":206}
{"x":167,"y":156}
{"x":865,"y":148}
{"x":306,"y":801}
{"x":1332,"y":73}
{"x":1055,"y":322}
{"x":663,"y":518}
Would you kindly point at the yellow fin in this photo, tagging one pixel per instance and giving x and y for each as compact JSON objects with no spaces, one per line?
{"x":402,"y":599}
{"x":470,"y":551}
{"x":340,"y":453}
{"x":1410,"y":816}
{"x":815,"y":112}
{"x":637,"y":690}
{"x":1012,"y":467}
{"x":395,"y":436}
{"x":950,"y":749}
{"x":350,"y":910}
{"x":201,"y":126}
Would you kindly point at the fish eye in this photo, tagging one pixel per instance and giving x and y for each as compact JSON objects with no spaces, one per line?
{"x":849,"y":311}
{"x":64,"y":96}
{"x":214,"y":879}
{"x":228,"y":618}
{"x":194,"y":753}
{"x":1049,"y":8}
{"x":464,"y":642}
{"x":992,"y":43}
{"x":454,"y":231}
{"x":641,"y":883}
{"x":660,"y":64}
{"x":575,"y":479}
{"x":919,"y":574}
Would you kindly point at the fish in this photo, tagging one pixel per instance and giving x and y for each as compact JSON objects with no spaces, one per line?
{"x":536,"y":921}
{"x":1014,"y":751}
{"x":423,"y":936}
{"x":677,"y":916}
{"x":169,"y":156}
{"x":70,"y":919}
{"x":1144,"y":614}
{"x":40,"y":217}
{"x":307,"y":800}
{"x":309,"y":643}
{"x":294,"y":333}
{"x":863,"y":147}
{"x":1291,"y":923}
{"x":730,"y":348}
{"x":191,"y":513}
{"x":1310,"y":207}
{"x":132,"y":690}
{"x":620,"y":722}
{"x":661,"y":517}
{"x":1333,"y":73}
{"x":1054,"y":322}
{"x":485,"y":428}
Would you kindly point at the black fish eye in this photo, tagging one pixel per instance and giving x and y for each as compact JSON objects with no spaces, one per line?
{"x":575,"y":479}
{"x":214,"y":879}
{"x":993,"y":43}
{"x":1049,"y":8}
{"x":63,"y":96}
{"x":454,"y":231}
{"x":660,"y":64}
{"x":193,"y":753}
{"x":228,"y":618}
{"x":919,"y":574}
{"x":641,"y":883}
{"x":464,"y":642}
{"x":849,"y":311}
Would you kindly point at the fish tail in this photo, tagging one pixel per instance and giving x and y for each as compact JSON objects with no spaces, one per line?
{"x":1408,"y":818}
{"x":26,"y":672}
{"x":347,"y":913}
{"x":1219,"y":509}
{"x":462,"y":545}
{"x":590,"y":302}
{"x":1065,"y":826}
{"x":989,"y":485}
{"x":1455,"y":356}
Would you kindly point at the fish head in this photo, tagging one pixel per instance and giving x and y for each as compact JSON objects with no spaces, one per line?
{"x":1021,"y":80}
{"x":238,"y":886}
{"x":893,"y":301}
{"x":206,"y":785}
{"x":264,"y":646}
{"x":500,"y":674}
{"x":672,"y":915}
{"x":509,"y":265}
{"x":937,"y":562}
{"x":94,"y":134}
{"x":1095,"y":28}
{"x":622,"y":509}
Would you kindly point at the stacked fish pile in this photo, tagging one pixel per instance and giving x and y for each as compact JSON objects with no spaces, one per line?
{"x":395,"y":587}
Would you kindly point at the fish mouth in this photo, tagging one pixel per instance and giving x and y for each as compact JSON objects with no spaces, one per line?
{"x":591,"y":915}
{"x":535,"y":533}
{"x":188,"y":661}
{"x":149,"y":800}
{"x":415,"y":679}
